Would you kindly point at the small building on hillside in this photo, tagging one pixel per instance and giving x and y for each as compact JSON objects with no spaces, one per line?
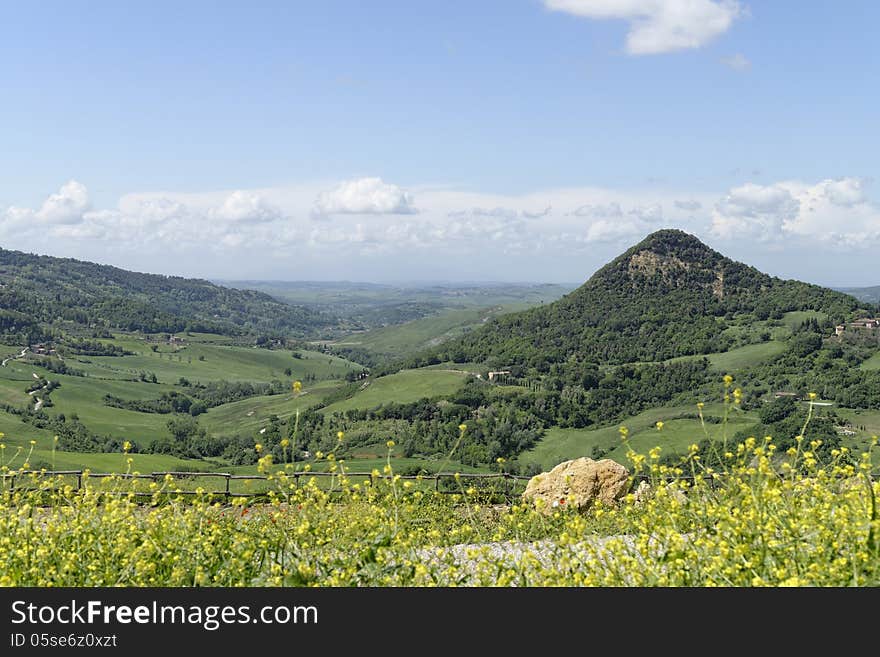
{"x":839,"y":330}
{"x":498,"y":374}
{"x":780,"y":394}
{"x":866,"y":323}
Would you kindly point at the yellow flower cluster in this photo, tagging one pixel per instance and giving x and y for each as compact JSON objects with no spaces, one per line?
{"x":757,"y":516}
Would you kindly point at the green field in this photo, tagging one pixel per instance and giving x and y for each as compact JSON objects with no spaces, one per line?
{"x":248,"y":416}
{"x":561,"y":444}
{"x":403,"y":387}
{"x":202,"y":358}
{"x":865,"y":423}
{"x":42,"y":457}
{"x":873,"y":363}
{"x":16,"y":433}
{"x":739,"y":357}
{"x":747,"y":356}
{"x":83,"y":396}
{"x":427,"y":332}
{"x":797,"y":317}
{"x":209,"y":362}
{"x":473,"y":368}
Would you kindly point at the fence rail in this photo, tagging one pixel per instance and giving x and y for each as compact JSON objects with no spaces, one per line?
{"x":8,"y":479}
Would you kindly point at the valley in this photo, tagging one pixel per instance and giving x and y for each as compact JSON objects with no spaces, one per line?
{"x":569,"y":375}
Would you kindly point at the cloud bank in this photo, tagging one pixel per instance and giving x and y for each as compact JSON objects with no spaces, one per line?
{"x":659,"y":26}
{"x":833,"y":211}
{"x":272,"y":232}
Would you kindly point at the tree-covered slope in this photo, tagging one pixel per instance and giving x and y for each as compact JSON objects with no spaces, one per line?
{"x":670,"y":295}
{"x":37,"y":291}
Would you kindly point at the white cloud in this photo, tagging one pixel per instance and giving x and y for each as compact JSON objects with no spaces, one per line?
{"x":737,"y":62}
{"x":66,"y":206}
{"x":609,"y":222}
{"x":758,"y":211}
{"x":364,"y":196}
{"x":845,"y":192}
{"x":659,"y":26}
{"x":241,"y":206}
{"x":456,"y":231}
{"x":834,"y":211}
{"x":151,"y":210}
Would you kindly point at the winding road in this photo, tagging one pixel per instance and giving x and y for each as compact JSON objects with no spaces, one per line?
{"x":21,"y":355}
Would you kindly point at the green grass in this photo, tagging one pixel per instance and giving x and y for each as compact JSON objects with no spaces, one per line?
{"x":797,"y":317}
{"x":43,"y":457}
{"x":473,"y":368}
{"x":17,"y":433}
{"x":403,"y":387}
{"x":561,"y":444}
{"x":738,"y":357}
{"x":84,"y":396}
{"x":207,"y":362}
{"x":747,"y":356}
{"x":248,"y":416}
{"x":677,"y":435}
{"x":873,"y":363}
{"x":866,"y":424}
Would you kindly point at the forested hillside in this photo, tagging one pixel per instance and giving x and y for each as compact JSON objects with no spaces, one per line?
{"x":668,"y":296}
{"x":37,"y":291}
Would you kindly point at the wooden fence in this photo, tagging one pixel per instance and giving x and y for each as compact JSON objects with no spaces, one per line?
{"x":10,"y":481}
{"x":511,"y":488}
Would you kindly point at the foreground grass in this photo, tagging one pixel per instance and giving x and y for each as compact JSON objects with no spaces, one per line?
{"x":766,"y":521}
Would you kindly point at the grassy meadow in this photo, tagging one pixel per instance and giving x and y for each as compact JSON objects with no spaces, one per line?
{"x":403,"y":387}
{"x":560,"y":444}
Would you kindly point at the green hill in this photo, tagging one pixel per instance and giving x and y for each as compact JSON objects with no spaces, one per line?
{"x":38,"y":291}
{"x":668,"y":296}
{"x":866,"y":294}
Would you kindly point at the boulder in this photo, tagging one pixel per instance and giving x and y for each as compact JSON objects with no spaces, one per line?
{"x":577,"y":484}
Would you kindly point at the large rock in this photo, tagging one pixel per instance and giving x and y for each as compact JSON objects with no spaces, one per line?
{"x":577,"y":484}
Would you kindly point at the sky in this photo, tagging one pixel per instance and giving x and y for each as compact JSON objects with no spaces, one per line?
{"x":406,"y":141}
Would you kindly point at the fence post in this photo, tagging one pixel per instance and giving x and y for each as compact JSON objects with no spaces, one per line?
{"x":79,"y":476}
{"x":228,"y":493}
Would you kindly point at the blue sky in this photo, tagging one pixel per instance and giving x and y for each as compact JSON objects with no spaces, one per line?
{"x":510,"y":139}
